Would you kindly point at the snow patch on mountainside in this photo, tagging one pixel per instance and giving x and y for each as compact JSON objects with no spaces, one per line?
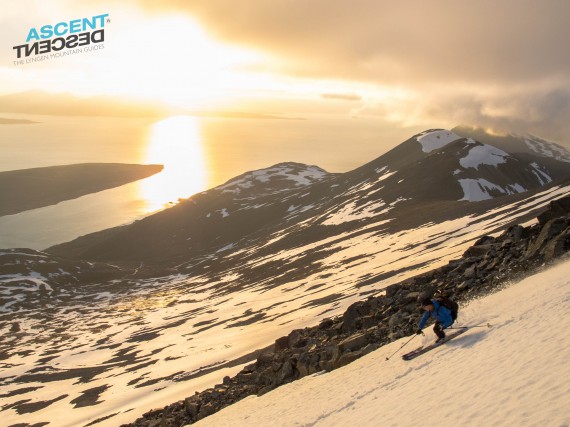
{"x":298,"y":175}
{"x":514,"y":373}
{"x":475,"y":190}
{"x":433,"y":140}
{"x":483,"y":155}
{"x":541,"y":175}
{"x":546,"y":148}
{"x":352,"y":212}
{"x":13,"y":287}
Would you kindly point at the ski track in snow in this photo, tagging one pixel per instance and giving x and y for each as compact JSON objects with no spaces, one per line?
{"x":513,"y":374}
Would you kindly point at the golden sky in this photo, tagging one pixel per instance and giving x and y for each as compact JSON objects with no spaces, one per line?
{"x":501,"y":64}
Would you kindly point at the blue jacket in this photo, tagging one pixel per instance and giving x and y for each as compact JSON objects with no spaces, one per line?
{"x":440,"y":313}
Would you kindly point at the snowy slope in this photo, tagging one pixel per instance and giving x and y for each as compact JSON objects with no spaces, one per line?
{"x":433,"y":140}
{"x":514,"y":374}
{"x":117,"y":349}
{"x":546,"y":148}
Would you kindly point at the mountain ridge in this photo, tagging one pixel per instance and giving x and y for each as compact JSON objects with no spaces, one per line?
{"x":290,"y":196}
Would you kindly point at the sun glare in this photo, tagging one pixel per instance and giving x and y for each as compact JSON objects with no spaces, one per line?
{"x":175,"y":143}
{"x":172,"y":59}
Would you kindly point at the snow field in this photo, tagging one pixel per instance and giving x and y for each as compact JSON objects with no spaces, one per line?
{"x":434,"y":140}
{"x":475,"y":190}
{"x":483,"y":155}
{"x":513,"y":374}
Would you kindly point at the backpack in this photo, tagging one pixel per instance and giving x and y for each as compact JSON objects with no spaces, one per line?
{"x":448,"y":303}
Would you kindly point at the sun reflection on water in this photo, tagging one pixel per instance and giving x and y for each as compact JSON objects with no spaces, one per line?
{"x":175,"y":143}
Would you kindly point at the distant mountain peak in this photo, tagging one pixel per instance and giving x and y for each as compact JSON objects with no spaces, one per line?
{"x":545,"y":148}
{"x":279,"y":177}
{"x":515,"y":143}
{"x":435,"y":139}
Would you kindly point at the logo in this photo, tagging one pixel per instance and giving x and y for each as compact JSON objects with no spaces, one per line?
{"x":62,"y":39}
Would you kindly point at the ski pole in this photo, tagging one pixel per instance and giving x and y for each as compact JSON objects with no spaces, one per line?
{"x":403,"y":345}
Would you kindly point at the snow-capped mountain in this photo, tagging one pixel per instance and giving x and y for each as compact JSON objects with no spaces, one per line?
{"x":515,"y":143}
{"x":193,"y":290}
{"x":435,"y":169}
{"x":441,"y":165}
{"x":482,"y":170}
{"x":278,"y":178}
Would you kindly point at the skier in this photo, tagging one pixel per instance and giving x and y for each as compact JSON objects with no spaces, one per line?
{"x":440,"y":313}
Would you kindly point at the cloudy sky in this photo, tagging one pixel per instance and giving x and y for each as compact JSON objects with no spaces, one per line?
{"x":502,"y":64}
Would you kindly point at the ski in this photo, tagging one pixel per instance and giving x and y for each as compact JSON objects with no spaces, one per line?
{"x":421,"y":350}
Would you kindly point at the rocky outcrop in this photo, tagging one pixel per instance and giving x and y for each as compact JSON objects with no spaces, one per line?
{"x":367,"y":325}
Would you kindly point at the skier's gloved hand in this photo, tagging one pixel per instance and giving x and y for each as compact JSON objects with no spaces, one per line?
{"x":419,"y":332}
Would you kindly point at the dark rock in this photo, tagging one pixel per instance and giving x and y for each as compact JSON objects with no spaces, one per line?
{"x":332,"y":352}
{"x":412,"y":297}
{"x":551,"y":228}
{"x":395,"y":336}
{"x":264,"y":359}
{"x":421,"y":280}
{"x":466,"y":284}
{"x":303,"y":364}
{"x":266,"y":377}
{"x":282,"y":344}
{"x":297,"y":339}
{"x":354,"y":342}
{"x":484,"y":240}
{"x":558,"y":246}
{"x":516,"y":232}
{"x":326,"y":365}
{"x":353,"y":314}
{"x":192,"y":406}
{"x":314,"y":363}
{"x":326,"y":324}
{"x":392,"y":290}
{"x":368,"y":322}
{"x":347,"y":358}
{"x":480,"y":250}
{"x":396,"y":320}
{"x":249,"y":368}
{"x":470,"y":272}
{"x":410,"y":307}
{"x":556,"y":208}
{"x":287,"y":372}
{"x":370,"y":348}
{"x":206,"y":410}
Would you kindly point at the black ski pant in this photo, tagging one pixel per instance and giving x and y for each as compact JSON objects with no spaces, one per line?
{"x":438,"y":329}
